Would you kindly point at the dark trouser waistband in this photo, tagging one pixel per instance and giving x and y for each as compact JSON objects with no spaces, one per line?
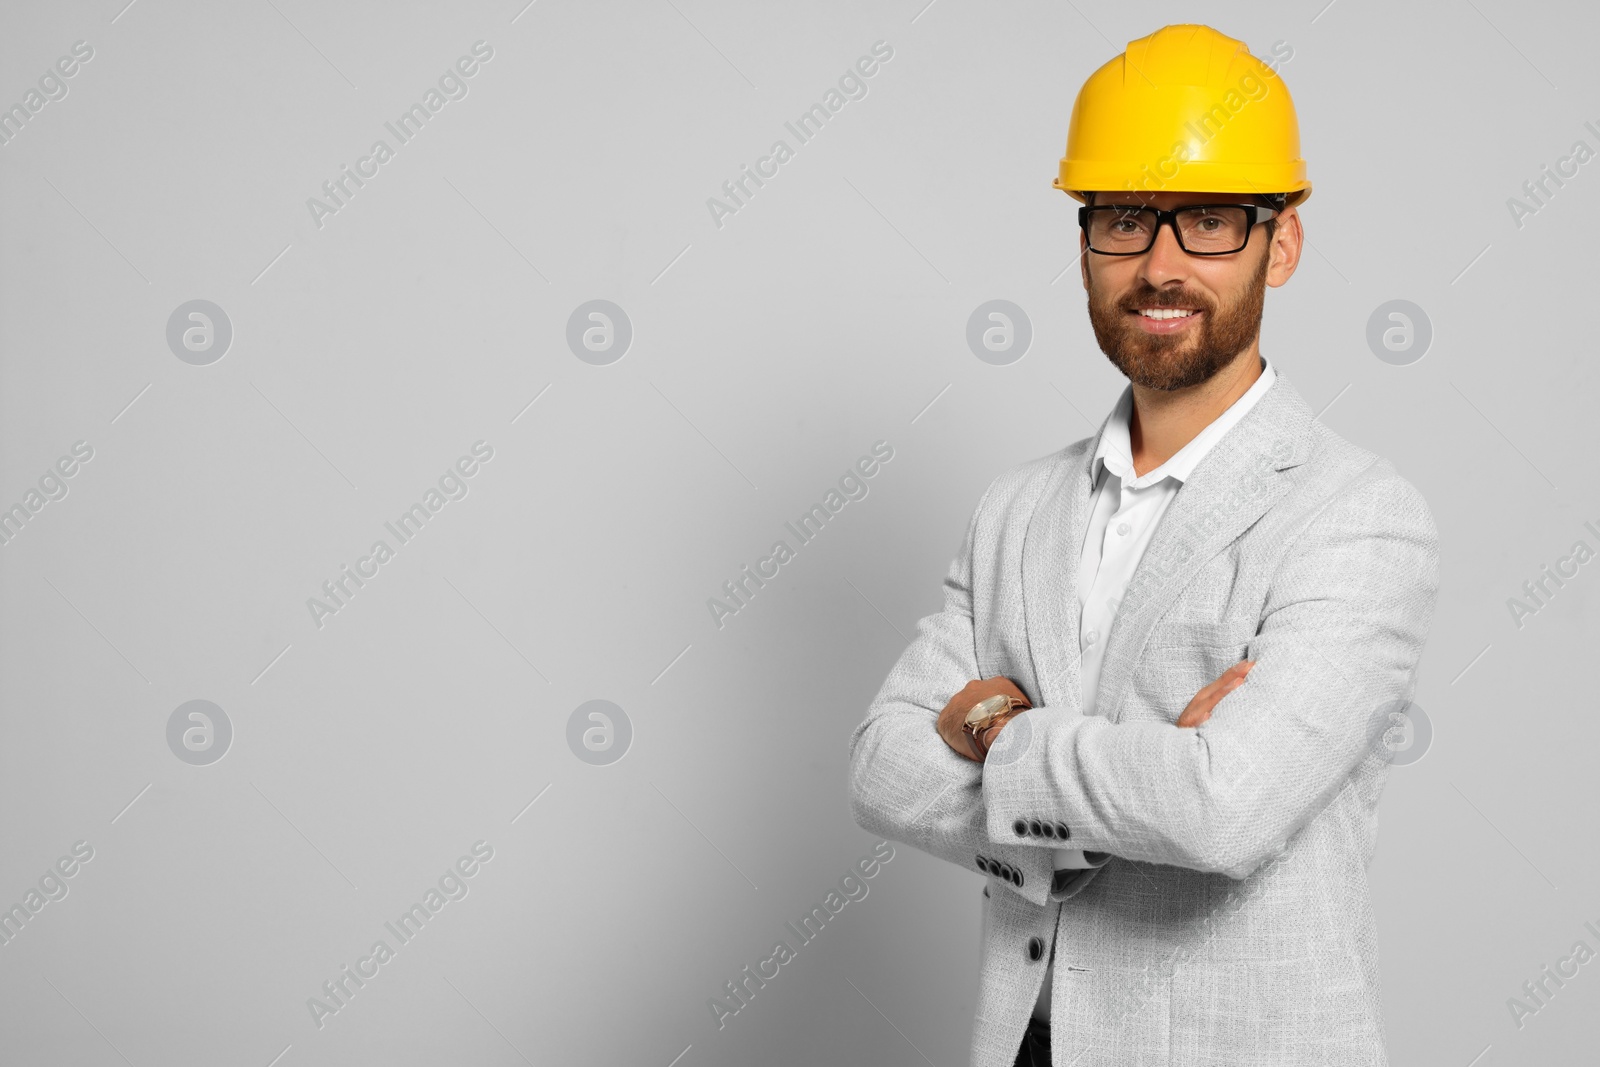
{"x":1035,"y":1050}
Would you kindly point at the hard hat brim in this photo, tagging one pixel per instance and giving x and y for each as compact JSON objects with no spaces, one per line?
{"x":1077,"y":177}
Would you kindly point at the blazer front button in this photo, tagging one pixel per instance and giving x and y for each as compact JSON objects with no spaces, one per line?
{"x":1035,"y":948}
{"x":1021,"y":827}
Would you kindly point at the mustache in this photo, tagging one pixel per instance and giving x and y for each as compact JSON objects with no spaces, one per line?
{"x":1148,"y":297}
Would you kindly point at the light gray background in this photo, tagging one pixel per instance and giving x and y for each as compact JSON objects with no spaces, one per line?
{"x":768,"y":354}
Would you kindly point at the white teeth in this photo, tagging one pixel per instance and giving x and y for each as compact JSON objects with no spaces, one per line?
{"x":1165,"y":313}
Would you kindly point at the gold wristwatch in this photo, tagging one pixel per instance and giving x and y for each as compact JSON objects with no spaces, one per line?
{"x":988,"y":712}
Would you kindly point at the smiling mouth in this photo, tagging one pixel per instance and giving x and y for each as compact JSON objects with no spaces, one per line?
{"x":1166,"y":313}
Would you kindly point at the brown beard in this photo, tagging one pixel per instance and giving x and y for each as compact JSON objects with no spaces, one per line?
{"x":1167,"y":362}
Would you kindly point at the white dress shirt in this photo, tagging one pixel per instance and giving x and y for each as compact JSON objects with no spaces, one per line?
{"x":1124,"y":511}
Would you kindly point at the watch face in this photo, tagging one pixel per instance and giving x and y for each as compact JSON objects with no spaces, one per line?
{"x":986,"y":709}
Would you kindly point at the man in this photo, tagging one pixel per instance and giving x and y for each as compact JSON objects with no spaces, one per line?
{"x":1150,"y":712}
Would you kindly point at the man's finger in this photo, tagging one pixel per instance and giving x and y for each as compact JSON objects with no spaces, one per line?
{"x":1199,"y":709}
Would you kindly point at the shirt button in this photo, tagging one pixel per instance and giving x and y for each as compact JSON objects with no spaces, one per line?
{"x":1123,"y":528}
{"x":1091,"y":637}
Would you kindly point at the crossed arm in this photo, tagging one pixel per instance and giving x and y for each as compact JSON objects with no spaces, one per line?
{"x":949,"y":723}
{"x":1346,"y":616}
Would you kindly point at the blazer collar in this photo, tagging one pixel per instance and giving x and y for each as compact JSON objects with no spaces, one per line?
{"x":1228,"y":490}
{"x":1114,"y":447}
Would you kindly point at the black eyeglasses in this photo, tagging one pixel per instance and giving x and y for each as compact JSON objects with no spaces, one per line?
{"x":1201,"y":229}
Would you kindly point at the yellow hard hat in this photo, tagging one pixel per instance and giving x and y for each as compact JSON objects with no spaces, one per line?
{"x":1185,"y":109}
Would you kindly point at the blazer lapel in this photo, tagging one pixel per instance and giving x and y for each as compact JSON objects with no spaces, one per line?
{"x":1050,"y":551}
{"x":1228,"y":491}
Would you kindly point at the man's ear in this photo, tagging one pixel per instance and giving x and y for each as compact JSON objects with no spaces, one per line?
{"x":1288,"y":241}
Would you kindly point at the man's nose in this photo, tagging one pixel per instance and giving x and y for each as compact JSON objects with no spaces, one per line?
{"x":1166,"y":261}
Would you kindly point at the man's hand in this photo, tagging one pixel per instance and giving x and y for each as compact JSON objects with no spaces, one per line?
{"x":955,"y":712}
{"x":1199,"y":709}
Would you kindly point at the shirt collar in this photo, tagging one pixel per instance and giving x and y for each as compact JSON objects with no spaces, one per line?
{"x":1115,"y":452}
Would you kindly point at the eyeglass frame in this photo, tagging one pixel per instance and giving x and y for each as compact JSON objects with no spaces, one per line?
{"x":1169,"y":217}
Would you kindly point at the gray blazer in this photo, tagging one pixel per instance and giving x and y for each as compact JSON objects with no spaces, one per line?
{"x":1233,"y":924}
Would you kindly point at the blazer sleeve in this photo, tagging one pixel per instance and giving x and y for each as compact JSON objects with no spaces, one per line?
{"x":1347,"y":613}
{"x":907,"y":785}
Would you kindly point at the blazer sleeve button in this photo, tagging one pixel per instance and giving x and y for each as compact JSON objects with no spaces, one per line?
{"x":1021,"y":827}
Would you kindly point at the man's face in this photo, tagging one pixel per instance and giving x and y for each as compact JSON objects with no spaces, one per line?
{"x":1223,"y":295}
